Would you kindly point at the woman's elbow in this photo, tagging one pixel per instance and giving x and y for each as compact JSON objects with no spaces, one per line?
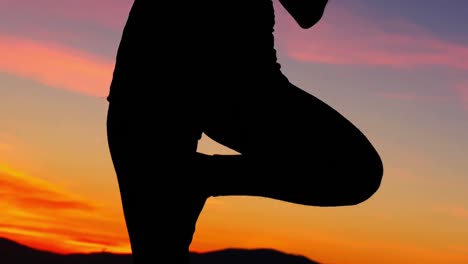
{"x":309,"y":22}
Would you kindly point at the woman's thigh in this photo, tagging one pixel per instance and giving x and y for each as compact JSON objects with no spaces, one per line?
{"x":286,"y":123}
{"x":298,"y":148}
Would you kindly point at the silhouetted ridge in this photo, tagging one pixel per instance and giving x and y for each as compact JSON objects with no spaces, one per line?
{"x":249,"y":256}
{"x":15,"y":253}
{"x":12,"y":251}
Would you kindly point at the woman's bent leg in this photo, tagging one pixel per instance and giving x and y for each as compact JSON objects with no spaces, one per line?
{"x":294,"y":148}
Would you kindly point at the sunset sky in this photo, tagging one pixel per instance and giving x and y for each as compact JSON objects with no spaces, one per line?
{"x":397,"y":69}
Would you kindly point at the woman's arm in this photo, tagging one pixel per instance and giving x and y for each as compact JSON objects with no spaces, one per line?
{"x":306,"y":12}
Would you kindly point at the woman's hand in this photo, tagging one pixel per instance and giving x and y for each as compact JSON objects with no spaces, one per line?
{"x":306,"y":12}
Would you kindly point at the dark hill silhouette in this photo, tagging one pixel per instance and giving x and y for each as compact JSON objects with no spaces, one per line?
{"x":14,"y":253}
{"x":248,"y":256}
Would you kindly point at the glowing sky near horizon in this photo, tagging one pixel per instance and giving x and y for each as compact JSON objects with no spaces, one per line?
{"x":397,"y":69}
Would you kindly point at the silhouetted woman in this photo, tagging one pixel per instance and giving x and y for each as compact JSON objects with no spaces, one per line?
{"x":192,"y":67}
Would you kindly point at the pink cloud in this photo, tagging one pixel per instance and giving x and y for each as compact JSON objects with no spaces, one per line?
{"x":56,"y":65}
{"x":462,"y":91}
{"x":108,"y":13}
{"x":415,"y":97}
{"x":347,"y":38}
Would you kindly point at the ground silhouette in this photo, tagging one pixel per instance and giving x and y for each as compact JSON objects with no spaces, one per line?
{"x":193,"y":67}
{"x":15,"y":253}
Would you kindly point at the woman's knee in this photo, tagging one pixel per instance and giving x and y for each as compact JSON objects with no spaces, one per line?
{"x":368,"y":177}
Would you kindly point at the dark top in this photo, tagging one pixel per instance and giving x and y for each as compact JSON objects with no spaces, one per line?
{"x":193,"y":44}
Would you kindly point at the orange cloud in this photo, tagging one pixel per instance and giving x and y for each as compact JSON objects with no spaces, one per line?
{"x":5,"y":146}
{"x":43,"y":215}
{"x":27,"y":192}
{"x":7,"y":141}
{"x":77,"y":235}
{"x":344,"y":37}
{"x":57,"y":66}
{"x":455,"y":211}
{"x":459,"y":212}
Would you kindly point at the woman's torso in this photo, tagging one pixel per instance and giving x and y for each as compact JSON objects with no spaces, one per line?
{"x":208,"y":42}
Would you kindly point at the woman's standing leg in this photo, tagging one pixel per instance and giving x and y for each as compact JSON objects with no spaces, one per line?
{"x":294,"y":148}
{"x":153,"y":168}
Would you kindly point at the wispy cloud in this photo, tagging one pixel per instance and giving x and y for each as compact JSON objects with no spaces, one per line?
{"x":32,"y":193}
{"x":37,"y":212}
{"x":457,"y":211}
{"x":404,"y":174}
{"x":56,"y":65}
{"x":462,"y":91}
{"x":6,"y":141}
{"x":109,"y":13}
{"x":347,"y":38}
{"x":415,"y":97}
{"x":5,"y":146}
{"x":455,"y":94}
